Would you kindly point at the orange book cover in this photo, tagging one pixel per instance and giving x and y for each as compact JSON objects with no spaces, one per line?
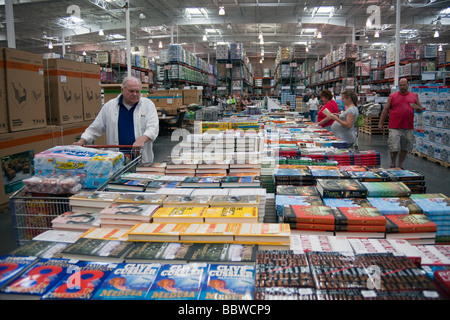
{"x":409,"y":223}
{"x":359,"y":216}
{"x":308,"y":214}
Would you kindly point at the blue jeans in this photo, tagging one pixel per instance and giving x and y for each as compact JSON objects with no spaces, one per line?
{"x":313,"y":114}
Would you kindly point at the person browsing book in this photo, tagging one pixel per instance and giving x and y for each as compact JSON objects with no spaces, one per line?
{"x":127,"y":119}
{"x":400,"y":106}
{"x":344,"y":124}
{"x":328,"y":103}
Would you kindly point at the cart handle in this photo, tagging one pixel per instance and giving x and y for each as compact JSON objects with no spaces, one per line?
{"x":99,"y":146}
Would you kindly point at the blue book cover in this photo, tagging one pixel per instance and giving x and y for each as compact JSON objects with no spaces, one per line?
{"x":39,"y":278}
{"x":283,"y":200}
{"x":434,"y":205}
{"x":129,"y":281}
{"x":229,"y":282}
{"x":178,"y":282}
{"x":12,"y":266}
{"x":395,"y":205}
{"x":80,"y":281}
{"x":346,"y":202}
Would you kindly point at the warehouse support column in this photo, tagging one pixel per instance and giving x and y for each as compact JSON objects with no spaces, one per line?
{"x":10,"y":31}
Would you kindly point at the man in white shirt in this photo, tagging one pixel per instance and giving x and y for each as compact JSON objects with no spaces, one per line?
{"x":127,"y":119}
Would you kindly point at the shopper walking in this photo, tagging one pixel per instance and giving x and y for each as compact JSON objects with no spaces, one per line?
{"x":127,"y":119}
{"x":328,"y":103}
{"x":400,"y":106}
{"x":313,"y":105}
{"x":344,"y":124}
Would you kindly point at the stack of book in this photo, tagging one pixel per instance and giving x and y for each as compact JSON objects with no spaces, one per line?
{"x":415,"y":228}
{"x":126,"y":215}
{"x":327,"y":172}
{"x":177,"y":169}
{"x":187,"y":201}
{"x":284,"y":200}
{"x":395,"y":205}
{"x":155,"y":168}
{"x":179,"y":215}
{"x":91,"y":201}
{"x":387,"y":189}
{"x":341,"y":188}
{"x":437,"y":208}
{"x":76,"y":221}
{"x":359,"y":222}
{"x":293,"y":176}
{"x":314,"y":219}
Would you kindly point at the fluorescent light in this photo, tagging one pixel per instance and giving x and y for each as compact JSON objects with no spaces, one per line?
{"x":325,"y":9}
{"x":440,"y":48}
{"x":160,"y":45}
{"x":319,"y":35}
{"x":309,"y":30}
{"x":50,"y":45}
{"x":436,"y":34}
{"x":221,"y":11}
{"x":84,"y":53}
{"x":377,"y":34}
{"x":210,"y":30}
{"x":205,"y":38}
{"x":193,"y":10}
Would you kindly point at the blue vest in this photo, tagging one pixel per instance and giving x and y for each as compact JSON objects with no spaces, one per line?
{"x":125,"y":124}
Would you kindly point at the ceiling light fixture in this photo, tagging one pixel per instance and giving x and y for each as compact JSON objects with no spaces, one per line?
{"x":440,"y":48}
{"x":100,"y":32}
{"x":221,"y":11}
{"x":436,"y":34}
{"x":319,"y":35}
{"x":142,"y":16}
{"x":50,"y":45}
{"x":229,"y":26}
{"x":205,"y":38}
{"x":160,"y":45}
{"x":377,"y":34}
{"x":84,"y":53}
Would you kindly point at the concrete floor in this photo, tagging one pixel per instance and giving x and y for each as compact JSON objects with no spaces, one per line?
{"x":436,"y":177}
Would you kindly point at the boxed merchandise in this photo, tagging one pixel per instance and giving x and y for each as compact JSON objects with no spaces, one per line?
{"x":17,"y":150}
{"x":63,"y":91}
{"x":91,"y":90}
{"x":170,"y":100}
{"x":94,"y":165}
{"x":192,"y":96}
{"x":3,"y":108}
{"x":24,"y":78}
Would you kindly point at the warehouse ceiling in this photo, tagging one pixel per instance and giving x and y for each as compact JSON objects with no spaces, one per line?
{"x":76,"y":24}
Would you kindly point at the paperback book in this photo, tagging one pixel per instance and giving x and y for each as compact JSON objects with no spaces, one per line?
{"x":228,"y":282}
{"x":121,"y":184}
{"x":187,"y":201}
{"x":141,"y":198}
{"x":235,"y":201}
{"x":231,"y":215}
{"x":201,"y":182}
{"x":178,"y":282}
{"x":263,"y":233}
{"x":94,"y":199}
{"x":13,"y":266}
{"x":129,"y":211}
{"x":229,"y":253}
{"x":76,"y":221}
{"x":232,"y":182}
{"x":180,"y":214}
{"x":160,"y":252}
{"x":40,"y":249}
{"x":128,"y":281}
{"x":161,"y":232}
{"x":209,"y":232}
{"x":81,"y":281}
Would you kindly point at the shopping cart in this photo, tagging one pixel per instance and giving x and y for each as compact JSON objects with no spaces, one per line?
{"x":33,"y":213}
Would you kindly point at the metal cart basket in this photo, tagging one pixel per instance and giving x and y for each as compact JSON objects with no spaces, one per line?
{"x":33,"y":214}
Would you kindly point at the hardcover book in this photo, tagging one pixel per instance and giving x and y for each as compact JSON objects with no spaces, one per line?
{"x":281,"y":201}
{"x":13,"y":266}
{"x":230,"y":182}
{"x":160,"y":252}
{"x":223,"y":253}
{"x":87,"y":249}
{"x":387,"y":189}
{"x":410,"y":223}
{"x":395,"y":205}
{"x":228,"y":282}
{"x":359,"y":216}
{"x":434,"y":206}
{"x":341,"y":188}
{"x":346,"y":202}
{"x":81,"y":281}
{"x":128,"y":281}
{"x":178,"y":282}
{"x":309,"y":214}
{"x":290,"y":190}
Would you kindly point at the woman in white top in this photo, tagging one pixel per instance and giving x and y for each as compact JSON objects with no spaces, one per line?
{"x":344,"y":124}
{"x":313,"y":104}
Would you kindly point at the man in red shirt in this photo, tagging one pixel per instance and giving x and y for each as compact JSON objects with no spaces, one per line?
{"x":400,"y":106}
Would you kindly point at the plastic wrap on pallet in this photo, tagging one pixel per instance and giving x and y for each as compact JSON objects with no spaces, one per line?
{"x":94,"y":165}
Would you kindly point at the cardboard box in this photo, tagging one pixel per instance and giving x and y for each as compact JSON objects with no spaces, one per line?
{"x":192,"y":96}
{"x":63,"y":91}
{"x":170,"y":100}
{"x":24,"y":78}
{"x":17,"y":150}
{"x":91,"y":89}
{"x":3,"y":108}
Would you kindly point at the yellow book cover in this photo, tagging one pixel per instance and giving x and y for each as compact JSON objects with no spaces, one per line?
{"x":158,"y":232}
{"x":106,"y":234}
{"x":231,"y":214}
{"x":263,"y":233}
{"x":179,"y":214}
{"x":209,"y":232}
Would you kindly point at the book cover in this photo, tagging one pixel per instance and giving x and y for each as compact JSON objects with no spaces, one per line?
{"x":248,"y":181}
{"x":160,"y":252}
{"x":223,"y":253}
{"x":363,"y":228}
{"x":209,"y":232}
{"x":231,"y":214}
{"x":395,"y":205}
{"x":13,"y":266}
{"x":428,"y":195}
{"x":433,"y":206}
{"x":81,"y":281}
{"x":154,"y":167}
{"x":93,"y":198}
{"x":228,"y":282}
{"x":387,"y":189}
{"x":283,"y":200}
{"x":38,"y":279}
{"x":263,"y":233}
{"x":87,"y":249}
{"x":41,"y":249}
{"x":366,"y":176}
{"x":180,"y":214}
{"x":187,"y":201}
{"x":410,"y":223}
{"x":106,"y":234}
{"x":311,"y":226}
{"x":129,"y":211}
{"x":290,"y":190}
{"x":402,"y":175}
{"x":128,"y":281}
{"x":341,"y":188}
{"x":58,"y":236}
{"x":204,"y":182}
{"x":76,"y":221}
{"x":141,"y":198}
{"x":178,"y":282}
{"x":235,"y":201}
{"x":156,"y":231}
{"x":127,"y":184}
{"x":346,"y":202}
{"x":359,"y":216}
{"x":309,"y":214}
